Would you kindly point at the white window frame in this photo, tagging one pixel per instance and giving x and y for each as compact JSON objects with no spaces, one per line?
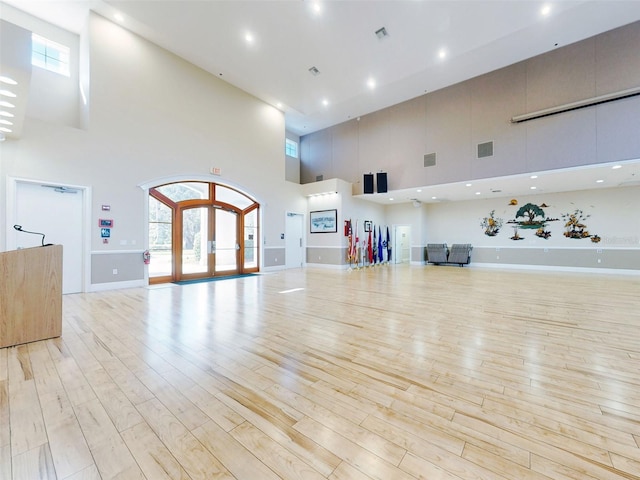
{"x":56,"y":56}
{"x":291,"y":146}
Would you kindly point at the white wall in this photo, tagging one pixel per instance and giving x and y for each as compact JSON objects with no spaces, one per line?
{"x":153,"y":116}
{"x":613,"y":217}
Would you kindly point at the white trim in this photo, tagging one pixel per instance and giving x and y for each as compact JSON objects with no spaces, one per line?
{"x":326,"y":265}
{"x":115,"y":252}
{"x":11,"y":212}
{"x":548,"y":268}
{"x":273,"y":268}
{"x":100,"y":287}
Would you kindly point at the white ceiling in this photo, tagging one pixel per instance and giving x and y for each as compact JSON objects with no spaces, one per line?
{"x":478,"y":36}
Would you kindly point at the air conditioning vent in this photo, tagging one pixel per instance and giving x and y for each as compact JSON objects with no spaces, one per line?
{"x":319,"y":178}
{"x":485,"y":149}
{"x":430,"y":159}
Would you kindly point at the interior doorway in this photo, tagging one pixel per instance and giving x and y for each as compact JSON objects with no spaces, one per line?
{"x":294,"y":248}
{"x":402,"y":243}
{"x":58,"y":212}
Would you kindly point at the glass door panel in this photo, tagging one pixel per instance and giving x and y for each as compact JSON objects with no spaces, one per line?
{"x":195,"y":241}
{"x":160,"y":239}
{"x":250,"y":240}
{"x":226,"y":241}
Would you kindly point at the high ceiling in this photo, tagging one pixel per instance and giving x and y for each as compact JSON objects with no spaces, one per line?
{"x":429,"y":45}
{"x":339,"y":38}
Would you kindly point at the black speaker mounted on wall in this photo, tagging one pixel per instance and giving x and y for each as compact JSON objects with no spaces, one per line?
{"x":381,"y":181}
{"x":368,"y":183}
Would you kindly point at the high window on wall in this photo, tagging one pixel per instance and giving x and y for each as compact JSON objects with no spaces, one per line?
{"x":200,"y":230}
{"x":49,"y":55}
{"x":291,"y":148}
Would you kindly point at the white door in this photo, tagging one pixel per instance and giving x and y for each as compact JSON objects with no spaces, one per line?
{"x":402,"y":244}
{"x":55,"y":212}
{"x":294,"y":251}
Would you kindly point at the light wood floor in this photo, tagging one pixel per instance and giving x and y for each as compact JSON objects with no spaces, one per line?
{"x":386,"y":373}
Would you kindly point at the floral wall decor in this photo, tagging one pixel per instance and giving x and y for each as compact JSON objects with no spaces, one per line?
{"x":491,"y":224}
{"x":575,"y":227}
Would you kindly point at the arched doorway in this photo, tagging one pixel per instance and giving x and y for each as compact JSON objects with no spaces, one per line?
{"x":201,"y":230}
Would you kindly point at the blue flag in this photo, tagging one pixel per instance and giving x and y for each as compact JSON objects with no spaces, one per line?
{"x":388,"y":245}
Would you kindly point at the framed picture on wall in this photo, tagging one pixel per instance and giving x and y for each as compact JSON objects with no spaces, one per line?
{"x":323,"y":221}
{"x":367,"y":225}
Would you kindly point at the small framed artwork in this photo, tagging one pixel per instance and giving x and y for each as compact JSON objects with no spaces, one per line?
{"x":324,"y":221}
{"x":105,"y":223}
{"x":367,"y":225}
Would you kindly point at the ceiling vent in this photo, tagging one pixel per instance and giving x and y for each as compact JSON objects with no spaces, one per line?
{"x":314,"y":71}
{"x":485,"y":149}
{"x":381,"y":33}
{"x":430,"y":160}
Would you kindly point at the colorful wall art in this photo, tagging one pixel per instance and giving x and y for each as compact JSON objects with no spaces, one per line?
{"x":491,"y":224}
{"x":532,"y":217}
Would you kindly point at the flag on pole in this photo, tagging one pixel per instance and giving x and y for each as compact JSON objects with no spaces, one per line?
{"x":370,"y":249}
{"x":350,"y":246}
{"x":388,"y":246}
{"x":380,"y":244}
{"x":375,"y":245}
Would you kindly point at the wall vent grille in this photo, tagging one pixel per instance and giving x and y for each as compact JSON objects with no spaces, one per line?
{"x":485,"y":149}
{"x":319,"y":178}
{"x":430,"y":160}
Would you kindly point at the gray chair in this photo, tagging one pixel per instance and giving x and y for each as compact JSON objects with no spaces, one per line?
{"x":460,"y":253}
{"x":437,"y":253}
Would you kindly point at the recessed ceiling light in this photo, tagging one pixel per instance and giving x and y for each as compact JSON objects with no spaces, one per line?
{"x":434,"y":198}
{"x":248,"y":37}
{"x":468,"y":185}
{"x":371,"y":83}
{"x":534,"y":176}
{"x":278,"y":105}
{"x":442,"y":53}
{"x":599,"y":181}
{"x":316,"y":7}
{"x":7,"y":80}
{"x":325,"y":102}
{"x":533,"y":188}
{"x":545,"y":10}
{"x":616,"y":167}
{"x":7,"y":93}
{"x":118,"y":17}
{"x":419,"y":190}
{"x":477,"y":193}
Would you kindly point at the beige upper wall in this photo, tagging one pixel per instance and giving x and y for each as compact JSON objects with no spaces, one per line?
{"x":452,"y":121}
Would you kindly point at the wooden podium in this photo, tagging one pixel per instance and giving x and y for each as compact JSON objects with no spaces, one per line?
{"x":30,"y":295}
